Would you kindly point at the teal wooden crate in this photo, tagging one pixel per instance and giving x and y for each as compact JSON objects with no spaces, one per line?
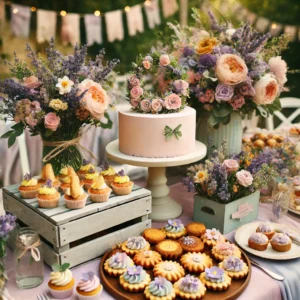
{"x":226,"y":217}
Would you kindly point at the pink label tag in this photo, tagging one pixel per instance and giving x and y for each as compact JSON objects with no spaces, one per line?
{"x":243,"y":211}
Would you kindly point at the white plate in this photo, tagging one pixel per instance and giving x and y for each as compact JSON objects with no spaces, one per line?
{"x":243,"y":233}
{"x":294,"y":211}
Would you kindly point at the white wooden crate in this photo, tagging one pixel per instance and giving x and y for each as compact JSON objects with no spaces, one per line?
{"x":76,"y":236}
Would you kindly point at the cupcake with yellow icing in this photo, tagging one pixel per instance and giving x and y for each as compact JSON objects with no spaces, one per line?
{"x":99,"y":191}
{"x":48,"y":174}
{"x":29,"y":187}
{"x":108,"y":173}
{"x":63,"y":173}
{"x":75,"y":197}
{"x":84,"y":169}
{"x":122,"y":184}
{"x":89,"y":178}
{"x":89,"y":287}
{"x":65,"y":181}
{"x":48,"y":196}
{"x":61,"y":283}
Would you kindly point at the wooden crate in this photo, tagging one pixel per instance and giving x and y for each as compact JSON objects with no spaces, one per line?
{"x":76,"y":236}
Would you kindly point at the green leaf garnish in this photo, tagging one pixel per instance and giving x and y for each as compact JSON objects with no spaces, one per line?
{"x":64,"y":267}
{"x":55,"y":267}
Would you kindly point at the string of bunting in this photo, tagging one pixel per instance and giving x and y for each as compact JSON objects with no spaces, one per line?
{"x":70,"y":30}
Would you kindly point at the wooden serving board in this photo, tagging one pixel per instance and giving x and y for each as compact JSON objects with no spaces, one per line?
{"x":112,"y":286}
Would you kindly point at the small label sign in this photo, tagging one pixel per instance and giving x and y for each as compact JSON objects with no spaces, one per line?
{"x":243,"y":211}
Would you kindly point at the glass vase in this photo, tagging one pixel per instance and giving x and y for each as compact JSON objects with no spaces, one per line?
{"x":28,"y":259}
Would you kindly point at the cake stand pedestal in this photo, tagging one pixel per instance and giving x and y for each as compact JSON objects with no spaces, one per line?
{"x":163,"y":206}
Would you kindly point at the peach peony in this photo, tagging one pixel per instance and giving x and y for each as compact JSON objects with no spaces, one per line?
{"x":164,"y":60}
{"x":31,"y":82}
{"x":172,"y":101}
{"x":206,"y":45}
{"x":95,"y":100}
{"x":279,"y":68}
{"x":231,"y":69}
{"x":266,"y":90}
{"x":146,"y":64}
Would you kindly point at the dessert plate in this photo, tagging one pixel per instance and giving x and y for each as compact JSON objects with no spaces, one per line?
{"x":243,"y":233}
{"x":294,"y":211}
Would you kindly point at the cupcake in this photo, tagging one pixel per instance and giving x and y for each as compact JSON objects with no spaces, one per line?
{"x":48,"y":174}
{"x":215,"y":279}
{"x":147,"y":259}
{"x":134,"y":279}
{"x":63,"y":173}
{"x":84,"y":169}
{"x":75,"y":197}
{"x":267,"y":229}
{"x":121,"y":184}
{"x":234,"y":267}
{"x":160,"y":289}
{"x":154,"y":235}
{"x":212,"y":236}
{"x":134,"y":245}
{"x":191,"y":244}
{"x":48,"y":196}
{"x":174,"y":229}
{"x":61,"y":281}
{"x":258,"y":241}
{"x":108,"y":173}
{"x":89,"y":287}
{"x":195,"y":229}
{"x":65,"y":181}
{"x":168,"y":269}
{"x":29,"y":187}
{"x":224,"y":249}
{"x":117,"y":264}
{"x":189,"y":287}
{"x":195,"y":262}
{"x":99,"y":191}
{"x":281,"y":242}
{"x":89,"y":178}
{"x":169,"y":249}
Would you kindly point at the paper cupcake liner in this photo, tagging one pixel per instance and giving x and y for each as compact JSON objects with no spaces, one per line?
{"x":123,"y":190}
{"x":28,"y":194}
{"x":100,"y":197}
{"x":76,"y":204}
{"x":64,"y":189}
{"x":48,"y":203}
{"x":109,"y":181}
{"x":92,"y":297}
{"x":61,"y":294}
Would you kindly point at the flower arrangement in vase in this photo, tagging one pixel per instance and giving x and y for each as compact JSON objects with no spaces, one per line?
{"x":59,"y":99}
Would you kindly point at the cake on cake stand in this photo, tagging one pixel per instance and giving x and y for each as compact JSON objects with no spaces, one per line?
{"x":163,"y":206}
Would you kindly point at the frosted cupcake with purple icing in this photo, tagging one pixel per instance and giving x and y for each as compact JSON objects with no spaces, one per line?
{"x":267,"y":229}
{"x":234,"y":267}
{"x":281,"y":242}
{"x":258,"y":241}
{"x":189,"y":287}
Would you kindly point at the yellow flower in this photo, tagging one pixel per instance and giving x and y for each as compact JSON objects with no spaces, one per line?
{"x":57,"y":105}
{"x":247,"y":162}
{"x":206,"y":45}
{"x":235,"y":188}
{"x":200,"y":176}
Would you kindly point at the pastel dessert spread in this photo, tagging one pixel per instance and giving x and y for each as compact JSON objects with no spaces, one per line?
{"x":171,"y":270}
{"x":212,"y":236}
{"x":75,"y":197}
{"x":281,"y":242}
{"x":195,"y":262}
{"x":99,"y":191}
{"x":189,"y":287}
{"x":267,"y":229}
{"x":134,"y":245}
{"x":191,"y":244}
{"x":48,"y":174}
{"x":224,"y":249}
{"x":29,"y":187}
{"x":215,"y":279}
{"x":48,"y":196}
{"x":160,"y":288}
{"x":122,"y":184}
{"x":258,"y":241}
{"x":147,"y":258}
{"x":117,"y":264}
{"x":108,"y":173}
{"x":89,"y":286}
{"x":174,"y":229}
{"x":85,"y":167}
{"x":234,"y":267}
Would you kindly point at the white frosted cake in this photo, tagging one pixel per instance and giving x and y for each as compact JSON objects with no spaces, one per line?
{"x":155,"y":135}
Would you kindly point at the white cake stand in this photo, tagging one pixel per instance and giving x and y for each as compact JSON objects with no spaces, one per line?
{"x":163,"y":206}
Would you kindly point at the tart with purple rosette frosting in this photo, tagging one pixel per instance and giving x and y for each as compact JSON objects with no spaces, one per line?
{"x":191,"y":244}
{"x":89,"y":287}
{"x":134,"y":279}
{"x":195,"y":262}
{"x":171,"y":270}
{"x":234,"y":267}
{"x":224,"y":249}
{"x":258,"y":241}
{"x":117,"y":264}
{"x":267,"y":229}
{"x":281,"y":242}
{"x":135,"y":244}
{"x":215,"y":279}
{"x":189,"y":287}
{"x":212,"y":236}
{"x":174,"y":229}
{"x":160,"y":289}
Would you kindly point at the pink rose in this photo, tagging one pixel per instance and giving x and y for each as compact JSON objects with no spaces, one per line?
{"x":279,"y":68}
{"x":164,"y":60}
{"x":172,"y":101}
{"x":135,"y":102}
{"x":156,"y":106}
{"x":181,"y":87}
{"x":244,"y":178}
{"x":231,"y":69}
{"x":134,"y":81}
{"x":145,"y":105}
{"x":136,"y":92}
{"x":146,"y":64}
{"x":266,"y":90}
{"x":51,"y":121}
{"x":231,"y":165}
{"x":31,"y":82}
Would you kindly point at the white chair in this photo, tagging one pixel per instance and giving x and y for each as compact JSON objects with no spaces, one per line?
{"x":288,"y":102}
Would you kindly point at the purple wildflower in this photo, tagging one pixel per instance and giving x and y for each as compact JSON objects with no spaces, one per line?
{"x":134,"y":270}
{"x":188,"y":182}
{"x":27,"y":176}
{"x":207,"y":60}
{"x":85,"y":162}
{"x":48,"y":183}
{"x":7,"y":224}
{"x":257,"y":162}
{"x":187,"y":51}
{"x":104,"y":166}
{"x":121,"y":173}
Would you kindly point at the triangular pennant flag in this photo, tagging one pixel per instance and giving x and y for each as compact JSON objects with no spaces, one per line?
{"x":20,"y":20}
{"x":152,"y":14}
{"x":70,"y":30}
{"x":262,"y":24}
{"x":291,"y":31}
{"x":2,"y":14}
{"x":46,"y":25}
{"x":275,"y":29}
{"x":114,"y":25}
{"x":135,"y":20}
{"x":251,"y":17}
{"x":169,"y":7}
{"x":93,"y":29}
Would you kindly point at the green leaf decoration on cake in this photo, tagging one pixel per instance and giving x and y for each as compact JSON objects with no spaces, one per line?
{"x":169,"y":132}
{"x":60,"y":268}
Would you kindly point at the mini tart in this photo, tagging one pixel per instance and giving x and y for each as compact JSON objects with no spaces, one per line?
{"x":171,"y":270}
{"x":195,"y":229}
{"x":236,"y":275}
{"x":94,"y":292}
{"x":281,"y":247}
{"x":184,"y":295}
{"x":122,"y":188}
{"x":132,"y":252}
{"x":149,"y":296}
{"x":219,"y":256}
{"x":211,"y":243}
{"x":147,"y":259}
{"x":113,"y":272}
{"x":169,"y":249}
{"x":216,"y":286}
{"x":134,"y":287}
{"x":258,"y":241}
{"x":154,"y":235}
{"x":191,"y":244}
{"x":195,"y":262}
{"x":175,"y":235}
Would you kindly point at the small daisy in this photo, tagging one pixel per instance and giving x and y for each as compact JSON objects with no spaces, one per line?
{"x":64,"y":85}
{"x":200,"y":176}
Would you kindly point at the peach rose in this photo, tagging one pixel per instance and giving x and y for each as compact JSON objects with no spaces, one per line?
{"x":136,"y":92}
{"x":145,"y":105}
{"x":231,"y":69}
{"x":244,"y":178}
{"x":51,"y":121}
{"x":156,"y":106}
{"x":206,"y":45}
{"x":231,"y":165}
{"x":31,"y":82}
{"x":164,"y":60}
{"x":172,"y":101}
{"x":135,"y":102}
{"x":266,"y":90}
{"x":134,"y":81}
{"x":146,"y":64}
{"x":95,"y":100}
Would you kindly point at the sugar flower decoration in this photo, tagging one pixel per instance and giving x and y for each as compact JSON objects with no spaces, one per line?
{"x":121,"y":173}
{"x":48,"y":183}
{"x":213,"y":234}
{"x":214,"y":273}
{"x":160,"y":282}
{"x":27,"y":176}
{"x":175,"y":223}
{"x":87,"y":276}
{"x":190,"y":284}
{"x":104,"y":166}
{"x":64,"y":85}
{"x":134,"y":270}
{"x":187,"y":240}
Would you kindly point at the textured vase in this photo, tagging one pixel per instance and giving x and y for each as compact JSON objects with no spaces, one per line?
{"x":231,"y":132}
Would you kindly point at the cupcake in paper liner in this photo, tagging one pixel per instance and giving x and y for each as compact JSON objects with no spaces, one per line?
{"x":89,"y":178}
{"x":99,"y":191}
{"x":108,"y":173}
{"x":65,"y":181}
{"x":89,"y":287}
{"x":48,"y":196}
{"x":75,"y":197}
{"x":29,"y":187}
{"x":122,"y":184}
{"x":84,"y":169}
{"x":48,"y":174}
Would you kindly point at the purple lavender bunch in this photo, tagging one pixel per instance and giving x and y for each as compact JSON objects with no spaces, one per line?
{"x":188,"y":182}
{"x":7,"y":224}
{"x":257,"y":162}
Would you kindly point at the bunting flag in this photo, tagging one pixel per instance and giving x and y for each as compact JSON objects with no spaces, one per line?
{"x":135,"y":20}
{"x":93,"y":29}
{"x":275,"y":29}
{"x":152,"y":14}
{"x":262,"y":24}
{"x":114,"y":25}
{"x":70,"y":30}
{"x":169,"y":7}
{"x":46,"y":25}
{"x":20,"y":20}
{"x":251,"y":17}
{"x":2,"y":15}
{"x":291,"y":31}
